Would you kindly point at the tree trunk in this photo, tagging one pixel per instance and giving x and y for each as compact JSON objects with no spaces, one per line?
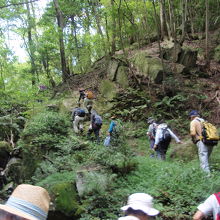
{"x":162,"y":20}
{"x":191,"y":19}
{"x":207,"y":32}
{"x":31,"y":46}
{"x":120,"y":26}
{"x":158,"y":35}
{"x":60,"y":22}
{"x":113,"y":42}
{"x":96,"y":15}
{"x":183,"y":21}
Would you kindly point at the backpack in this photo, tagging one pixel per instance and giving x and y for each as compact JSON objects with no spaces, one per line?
{"x":118,"y":127}
{"x":89,"y":95}
{"x":217,"y":196}
{"x":209,"y":133}
{"x":81,"y":112}
{"x":166,"y":136}
{"x":98,"y":120}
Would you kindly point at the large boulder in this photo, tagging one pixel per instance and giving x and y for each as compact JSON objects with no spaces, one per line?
{"x":188,"y":57}
{"x":149,"y":67}
{"x":122,"y":77}
{"x":169,"y":52}
{"x":112,"y":69}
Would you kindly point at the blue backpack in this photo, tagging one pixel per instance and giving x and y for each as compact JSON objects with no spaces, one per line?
{"x":98,"y":120}
{"x":81,"y":112}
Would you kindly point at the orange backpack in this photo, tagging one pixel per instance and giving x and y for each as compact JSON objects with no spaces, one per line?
{"x":89,"y":95}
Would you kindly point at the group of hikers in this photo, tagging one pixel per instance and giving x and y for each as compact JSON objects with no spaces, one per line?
{"x":29,"y":202}
{"x":203,"y":134}
{"x":159,"y":133}
{"x":140,"y":207}
{"x":80,"y":114}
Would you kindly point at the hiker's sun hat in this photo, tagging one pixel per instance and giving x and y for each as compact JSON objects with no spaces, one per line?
{"x":143,"y":202}
{"x":193,"y":113}
{"x":150,"y":120}
{"x":128,"y":218}
{"x":28,"y":201}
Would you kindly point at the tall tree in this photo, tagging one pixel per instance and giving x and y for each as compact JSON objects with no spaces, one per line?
{"x":60,"y":22}
{"x":207,"y":32}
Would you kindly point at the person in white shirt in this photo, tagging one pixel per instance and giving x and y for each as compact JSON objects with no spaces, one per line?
{"x":162,"y":140}
{"x":211,"y":206}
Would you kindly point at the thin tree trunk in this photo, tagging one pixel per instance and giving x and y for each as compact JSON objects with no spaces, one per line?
{"x":162,"y":22}
{"x":96,"y":15}
{"x":183,"y":21}
{"x":120,"y":26}
{"x":191,"y":19}
{"x":158,"y":35}
{"x":31,"y":44}
{"x":113,"y":42}
{"x":207,"y":32}
{"x":60,"y":22}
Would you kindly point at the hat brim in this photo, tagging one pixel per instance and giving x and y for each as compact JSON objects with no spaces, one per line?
{"x":146,"y":210}
{"x":16,"y":212}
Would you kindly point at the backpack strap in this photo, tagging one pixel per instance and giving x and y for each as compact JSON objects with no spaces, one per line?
{"x":217,"y":196}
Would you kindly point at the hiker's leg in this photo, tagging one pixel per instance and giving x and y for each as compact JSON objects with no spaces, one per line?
{"x":152,"y":141}
{"x":81,"y":123}
{"x":76,"y":124}
{"x":96,"y":131}
{"x":203,"y":156}
{"x":210,"y":148}
{"x":89,"y":131}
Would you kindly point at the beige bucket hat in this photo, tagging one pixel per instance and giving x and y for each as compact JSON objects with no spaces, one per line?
{"x":28,"y":201}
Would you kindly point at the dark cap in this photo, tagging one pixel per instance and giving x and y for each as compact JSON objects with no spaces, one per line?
{"x":150,"y":120}
{"x":193,"y":113}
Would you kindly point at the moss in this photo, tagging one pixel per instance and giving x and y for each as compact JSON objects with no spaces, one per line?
{"x":108,"y":89}
{"x":66,"y":199}
{"x":149,"y":66}
{"x":5,"y":146}
{"x":122,"y":77}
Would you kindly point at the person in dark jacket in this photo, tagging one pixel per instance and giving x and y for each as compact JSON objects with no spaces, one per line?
{"x":95,"y":126}
{"x":78,"y":116}
{"x":82,"y":95}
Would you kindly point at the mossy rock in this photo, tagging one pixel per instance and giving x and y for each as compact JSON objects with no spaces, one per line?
{"x":188,"y":57}
{"x":108,"y":89}
{"x":112,"y":69}
{"x":65,"y":199}
{"x":150,"y":67}
{"x":122,"y":77}
{"x":5,"y":146}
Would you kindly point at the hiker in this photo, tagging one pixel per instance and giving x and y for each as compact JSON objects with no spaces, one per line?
{"x":162,"y":140}
{"x":78,"y":115}
{"x":151,"y":132}
{"x":139,"y":205}
{"x":82,"y":95}
{"x":204,"y":151}
{"x":95,"y":126}
{"x":210,"y":206}
{"x":112,"y":133}
{"x":27,"y":202}
{"x":88,"y":100}
{"x":128,"y":218}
